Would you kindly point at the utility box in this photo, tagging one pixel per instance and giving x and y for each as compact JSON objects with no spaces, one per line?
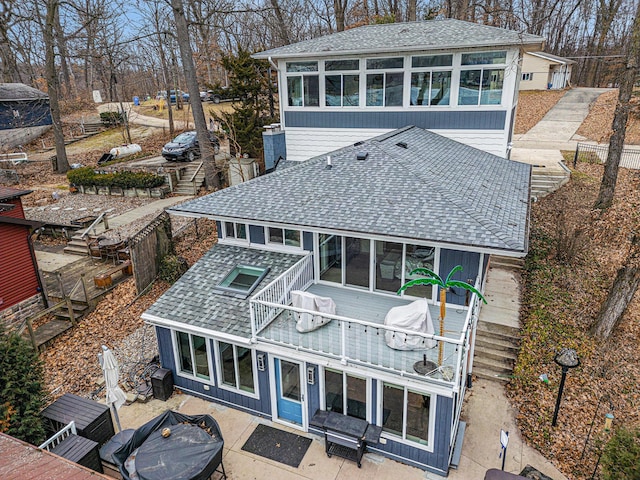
{"x":162,"y":384}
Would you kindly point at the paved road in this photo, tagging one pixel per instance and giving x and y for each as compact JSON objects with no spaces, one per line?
{"x":557,"y":130}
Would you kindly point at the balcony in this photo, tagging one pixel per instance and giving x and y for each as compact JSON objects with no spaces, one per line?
{"x":356,"y":334}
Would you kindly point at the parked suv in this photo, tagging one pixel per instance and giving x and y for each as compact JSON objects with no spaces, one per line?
{"x":221,"y":94}
{"x":185,"y":147}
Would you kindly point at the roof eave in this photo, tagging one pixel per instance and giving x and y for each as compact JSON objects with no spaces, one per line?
{"x":526,"y":46}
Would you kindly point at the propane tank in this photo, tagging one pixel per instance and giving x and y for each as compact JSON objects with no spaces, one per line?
{"x":125,"y":150}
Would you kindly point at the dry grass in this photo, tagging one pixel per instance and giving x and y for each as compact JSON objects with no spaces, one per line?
{"x":533,"y":105}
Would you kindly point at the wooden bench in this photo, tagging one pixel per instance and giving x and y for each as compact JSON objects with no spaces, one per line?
{"x":104,"y":280}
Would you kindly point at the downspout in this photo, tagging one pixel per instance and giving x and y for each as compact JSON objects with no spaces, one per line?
{"x":273,"y":64}
{"x":34,"y":261}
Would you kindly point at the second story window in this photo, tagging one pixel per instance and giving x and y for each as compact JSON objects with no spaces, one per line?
{"x":431,"y":80}
{"x":303,"y":84}
{"x":237,"y":231}
{"x":342,"y":83}
{"x":482,"y":78}
{"x":283,"y":236}
{"x":385,"y":79}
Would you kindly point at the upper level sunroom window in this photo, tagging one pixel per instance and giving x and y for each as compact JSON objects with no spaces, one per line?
{"x":431,"y":80}
{"x":385,"y":78}
{"x":482,"y":78}
{"x":342,"y":83}
{"x":303,"y":84}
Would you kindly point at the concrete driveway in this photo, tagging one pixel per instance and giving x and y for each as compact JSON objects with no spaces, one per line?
{"x":557,"y":130}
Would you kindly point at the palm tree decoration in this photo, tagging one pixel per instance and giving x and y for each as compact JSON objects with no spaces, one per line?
{"x":432,"y":278}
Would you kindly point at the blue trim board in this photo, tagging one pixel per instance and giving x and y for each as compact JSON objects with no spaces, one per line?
{"x":438,"y":120}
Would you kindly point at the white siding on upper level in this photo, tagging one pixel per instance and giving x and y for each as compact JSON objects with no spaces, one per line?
{"x":304,"y":143}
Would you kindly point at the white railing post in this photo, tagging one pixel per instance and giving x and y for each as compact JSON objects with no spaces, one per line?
{"x":343,"y":343}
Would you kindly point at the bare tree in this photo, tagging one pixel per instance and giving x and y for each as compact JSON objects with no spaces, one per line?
{"x":620,"y":117}
{"x":51,"y":75}
{"x":206,"y":148}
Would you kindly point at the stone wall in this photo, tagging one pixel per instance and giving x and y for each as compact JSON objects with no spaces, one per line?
{"x":12,"y":317}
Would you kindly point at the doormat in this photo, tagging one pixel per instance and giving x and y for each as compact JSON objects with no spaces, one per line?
{"x":278,"y":445}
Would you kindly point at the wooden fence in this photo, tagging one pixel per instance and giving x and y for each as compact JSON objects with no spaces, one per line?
{"x":147,"y":247}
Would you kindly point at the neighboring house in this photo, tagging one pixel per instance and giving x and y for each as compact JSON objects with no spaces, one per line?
{"x":543,"y":71}
{"x":20,"y":288}
{"x":456,"y":78}
{"x":24,"y":114}
{"x":350,"y":226}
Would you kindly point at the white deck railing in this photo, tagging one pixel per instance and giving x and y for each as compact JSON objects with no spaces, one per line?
{"x":268,"y":303}
{"x":351,"y":340}
{"x":59,"y":437}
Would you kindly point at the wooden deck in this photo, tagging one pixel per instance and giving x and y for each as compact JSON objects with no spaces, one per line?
{"x":70,"y":276}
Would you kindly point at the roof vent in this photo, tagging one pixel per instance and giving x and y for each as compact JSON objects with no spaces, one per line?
{"x":402,"y":144}
{"x":362,"y":155}
{"x":329,"y":165}
{"x":357,"y":143}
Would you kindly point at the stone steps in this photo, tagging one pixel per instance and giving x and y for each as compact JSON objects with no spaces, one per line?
{"x":186,"y":187}
{"x":513,"y":263}
{"x":545,"y":180}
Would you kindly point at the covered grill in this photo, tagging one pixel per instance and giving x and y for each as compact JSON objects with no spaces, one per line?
{"x":191,"y":449}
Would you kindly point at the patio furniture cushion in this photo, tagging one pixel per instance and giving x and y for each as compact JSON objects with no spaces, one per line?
{"x":307,"y":322}
{"x":414,"y":316}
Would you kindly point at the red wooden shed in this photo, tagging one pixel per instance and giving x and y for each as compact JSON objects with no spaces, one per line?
{"x":18,"y":267}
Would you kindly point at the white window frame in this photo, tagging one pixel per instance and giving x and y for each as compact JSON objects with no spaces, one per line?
{"x":234,"y":238}
{"x":283,"y":244}
{"x":178,"y":357}
{"x":403,"y":439}
{"x":323,"y":80}
{"x":482,"y":67}
{"x":431,"y":71}
{"x":301,"y":76}
{"x":254,"y":369}
{"x":323,"y":389}
{"x":383,"y":71}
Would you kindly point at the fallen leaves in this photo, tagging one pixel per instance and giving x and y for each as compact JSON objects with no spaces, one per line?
{"x":533,"y":105}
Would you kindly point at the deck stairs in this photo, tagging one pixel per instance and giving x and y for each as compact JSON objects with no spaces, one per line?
{"x":191,"y":181}
{"x":498,"y":331}
{"x":548,"y":178}
{"x":77,"y":246}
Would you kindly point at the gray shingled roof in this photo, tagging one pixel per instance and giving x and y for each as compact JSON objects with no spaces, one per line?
{"x":19,"y":91}
{"x":552,"y":57}
{"x":192,"y":300}
{"x":435,"y":190}
{"x":445,"y":34}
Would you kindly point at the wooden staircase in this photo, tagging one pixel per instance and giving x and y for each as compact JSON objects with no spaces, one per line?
{"x":77,"y":246}
{"x":191,"y":180}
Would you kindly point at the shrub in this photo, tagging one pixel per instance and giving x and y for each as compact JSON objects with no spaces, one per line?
{"x":172,"y":268}
{"x":21,"y":392}
{"x":88,"y":177}
{"x":621,"y":456}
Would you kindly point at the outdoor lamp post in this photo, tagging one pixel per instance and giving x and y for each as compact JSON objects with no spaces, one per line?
{"x":567,"y":358}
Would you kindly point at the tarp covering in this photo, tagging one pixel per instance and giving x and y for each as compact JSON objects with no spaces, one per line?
{"x":193,"y":450}
{"x":306,"y":322}
{"x":414,"y":316}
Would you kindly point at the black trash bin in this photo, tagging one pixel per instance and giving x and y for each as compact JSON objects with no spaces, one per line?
{"x":162,"y":384}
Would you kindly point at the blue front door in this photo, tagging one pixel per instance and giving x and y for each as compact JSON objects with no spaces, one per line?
{"x":288,"y":391}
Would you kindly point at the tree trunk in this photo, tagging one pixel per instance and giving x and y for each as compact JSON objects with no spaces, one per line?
{"x":206,"y":148}
{"x":283,"y":31}
{"x":52,"y":85}
{"x":619,"y":125}
{"x":339,"y":6}
{"x":411,"y":10}
{"x":622,"y":291}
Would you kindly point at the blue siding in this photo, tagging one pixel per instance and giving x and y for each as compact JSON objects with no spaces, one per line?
{"x":275,"y":148}
{"x":436,"y":461}
{"x":313,"y":391}
{"x":469,"y":262}
{"x":450,"y":120}
{"x":307,"y":241}
{"x":256,"y":406}
{"x":219,"y":227}
{"x":31,"y":113}
{"x":256,"y":234}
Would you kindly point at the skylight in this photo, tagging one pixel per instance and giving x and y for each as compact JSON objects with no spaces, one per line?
{"x":243,"y":280}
